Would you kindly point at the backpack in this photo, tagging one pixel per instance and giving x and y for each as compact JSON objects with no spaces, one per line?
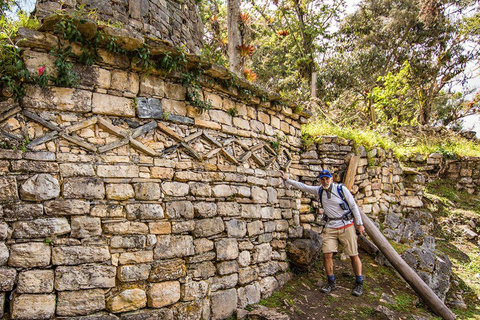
{"x":345,"y":217}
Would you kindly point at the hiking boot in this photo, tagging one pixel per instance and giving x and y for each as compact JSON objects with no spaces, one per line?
{"x":328,"y":287}
{"x":358,"y":290}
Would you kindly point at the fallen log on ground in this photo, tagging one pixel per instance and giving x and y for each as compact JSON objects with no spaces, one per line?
{"x":412,"y":278}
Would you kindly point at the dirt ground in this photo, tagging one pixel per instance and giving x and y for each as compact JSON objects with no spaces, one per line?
{"x":386,"y":296}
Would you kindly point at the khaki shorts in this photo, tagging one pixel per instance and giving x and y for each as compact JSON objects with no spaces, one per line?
{"x":346,"y":236}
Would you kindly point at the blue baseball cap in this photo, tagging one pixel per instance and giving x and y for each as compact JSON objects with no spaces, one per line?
{"x":324,"y":173}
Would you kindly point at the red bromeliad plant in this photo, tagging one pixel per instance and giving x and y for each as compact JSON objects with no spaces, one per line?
{"x":250,"y":75}
{"x":246,"y":50}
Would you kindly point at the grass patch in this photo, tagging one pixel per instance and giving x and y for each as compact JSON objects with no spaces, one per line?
{"x":406,"y":144}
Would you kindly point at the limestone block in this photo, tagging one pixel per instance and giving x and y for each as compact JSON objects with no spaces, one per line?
{"x":175,"y":91}
{"x":215,"y":99}
{"x":8,"y":188}
{"x":22,"y":211}
{"x":236,"y":228}
{"x":179,"y":209}
{"x":129,"y":227}
{"x":224,"y":304}
{"x":173,"y":246}
{"x":87,"y":276}
{"x":144,"y":211}
{"x":135,"y":257}
{"x":174,"y":107}
{"x":103,"y":78}
{"x":207,"y":124}
{"x":152,"y":86}
{"x":203,"y":245}
{"x":3,"y":230}
{"x":128,"y":242}
{"x":205,"y":209}
{"x":167,"y":270}
{"x":220,"y":116}
{"x":247,"y":275}
{"x":83,"y":188}
{"x":176,"y":189}
{"x":33,"y":306}
{"x":67,"y":207}
{"x":255,"y":228}
{"x":228,"y":209}
{"x":119,"y":191}
{"x":112,"y":105}
{"x":108,"y":211}
{"x":40,"y":187}
{"x":269,"y":268}
{"x":162,"y":173}
{"x":227,"y":267}
{"x":76,"y":170}
{"x":7,"y":278}
{"x":147,"y":191}
{"x":152,"y":314}
{"x":4,"y":254}
{"x":75,"y":255}
{"x":227,"y":249}
{"x":259,"y":195}
{"x":183,"y":226}
{"x":225,"y":282}
{"x":263,"y":252}
{"x":127,"y":300}
{"x":208,"y":227}
{"x":58,"y":98}
{"x":223,"y":191}
{"x":268,"y":285}
{"x":118,"y":171}
{"x":250,"y":294}
{"x":124,"y":81}
{"x":161,"y":227}
{"x":85,"y":227}
{"x":79,"y":303}
{"x":250,"y":211}
{"x":40,"y":228}
{"x":200,"y":189}
{"x":411,"y":201}
{"x":202,"y":270}
{"x":136,"y":272}
{"x":244,"y":258}
{"x":163,"y":294}
{"x":193,"y":290}
{"x":35,"y":281}
{"x":241,"y":123}
{"x":34,"y":166}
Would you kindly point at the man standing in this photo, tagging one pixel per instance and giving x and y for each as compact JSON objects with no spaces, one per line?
{"x":341,"y":211}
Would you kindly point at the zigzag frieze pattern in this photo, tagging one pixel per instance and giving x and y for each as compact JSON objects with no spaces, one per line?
{"x":232,"y":149}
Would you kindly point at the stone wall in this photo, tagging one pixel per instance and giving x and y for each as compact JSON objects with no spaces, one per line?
{"x":464,"y":171}
{"x":123,"y":201}
{"x":176,"y":21}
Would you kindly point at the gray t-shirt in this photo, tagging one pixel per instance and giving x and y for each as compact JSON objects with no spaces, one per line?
{"x":331,"y":205}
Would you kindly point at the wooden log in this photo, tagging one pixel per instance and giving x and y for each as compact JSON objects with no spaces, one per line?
{"x":367,"y":245}
{"x":412,"y":278}
{"x":351,"y":172}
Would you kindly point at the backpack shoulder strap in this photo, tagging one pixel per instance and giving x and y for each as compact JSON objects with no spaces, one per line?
{"x":320,"y":193}
{"x":340,"y":192}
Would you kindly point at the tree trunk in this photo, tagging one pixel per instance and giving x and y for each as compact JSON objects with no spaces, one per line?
{"x":234,"y":38}
{"x":420,"y":287}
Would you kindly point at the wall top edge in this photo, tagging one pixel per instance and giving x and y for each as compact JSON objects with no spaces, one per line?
{"x":130,"y":41}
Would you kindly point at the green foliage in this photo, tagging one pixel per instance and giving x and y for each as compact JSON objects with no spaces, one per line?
{"x":142,"y":58}
{"x":391,"y":101}
{"x":450,"y":146}
{"x":367,"y":138}
{"x":13,"y":73}
{"x":190,"y":82}
{"x":233,"y":111}
{"x":66,"y":77}
{"x":171,"y":62}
